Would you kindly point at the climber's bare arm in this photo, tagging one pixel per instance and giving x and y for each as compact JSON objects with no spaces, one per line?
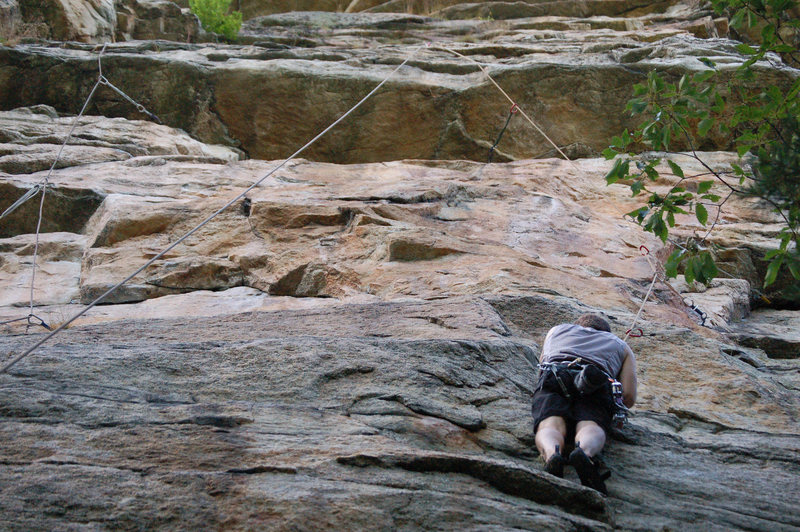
{"x":627,"y":376}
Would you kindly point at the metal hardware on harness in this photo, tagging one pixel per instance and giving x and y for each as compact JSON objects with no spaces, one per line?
{"x":621,"y":412}
{"x":560,"y":382}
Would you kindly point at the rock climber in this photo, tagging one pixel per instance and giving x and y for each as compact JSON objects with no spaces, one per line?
{"x":578,"y":365}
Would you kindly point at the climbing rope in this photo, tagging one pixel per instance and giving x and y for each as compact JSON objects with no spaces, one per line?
{"x":44,"y":183}
{"x":513,"y":103}
{"x":207,"y":220}
{"x":139,"y":107}
{"x":632,"y":331}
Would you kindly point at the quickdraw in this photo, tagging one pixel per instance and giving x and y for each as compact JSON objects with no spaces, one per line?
{"x":702,"y":315}
{"x":29,"y":318}
{"x":511,"y":113}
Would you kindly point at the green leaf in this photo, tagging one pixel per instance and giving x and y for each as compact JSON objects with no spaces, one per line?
{"x":704,"y":186}
{"x":772,"y":270}
{"x":704,"y":126}
{"x":709,"y":268}
{"x":702,"y":77}
{"x":671,"y":266}
{"x":697,"y":269}
{"x":659,"y":228}
{"x":639,"y":214}
{"x":701,"y":213}
{"x":689,"y":271}
{"x":719,"y":104}
{"x":794,"y":268}
{"x":675,"y":168}
{"x":618,"y":171}
{"x":737,"y":18}
{"x":708,"y":62}
{"x":666,"y":137}
{"x":785,"y":239}
{"x":637,"y":105}
{"x":609,"y":153}
{"x":214,"y":16}
{"x":637,"y":188}
{"x":710,"y":197}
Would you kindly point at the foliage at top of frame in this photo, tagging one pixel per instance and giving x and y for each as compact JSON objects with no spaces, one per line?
{"x":214,"y":17}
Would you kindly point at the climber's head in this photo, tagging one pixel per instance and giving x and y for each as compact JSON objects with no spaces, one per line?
{"x":593,"y":321}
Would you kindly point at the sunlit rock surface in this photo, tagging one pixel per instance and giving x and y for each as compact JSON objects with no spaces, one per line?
{"x":353,"y":344}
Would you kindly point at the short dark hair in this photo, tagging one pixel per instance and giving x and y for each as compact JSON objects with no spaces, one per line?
{"x":593,"y":321}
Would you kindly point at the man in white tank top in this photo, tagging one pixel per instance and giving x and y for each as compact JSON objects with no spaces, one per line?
{"x":556,"y":411}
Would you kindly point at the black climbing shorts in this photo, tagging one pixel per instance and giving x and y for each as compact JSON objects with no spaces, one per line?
{"x":597,"y":407}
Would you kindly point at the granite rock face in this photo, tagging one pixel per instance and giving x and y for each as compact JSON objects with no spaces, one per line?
{"x":294,"y":73}
{"x":73,"y":20}
{"x":353,"y":343}
{"x":157,"y":19}
{"x":354,"y":346}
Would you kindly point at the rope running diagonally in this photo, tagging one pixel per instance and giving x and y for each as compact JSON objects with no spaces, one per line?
{"x":208,"y":219}
{"x":646,"y":253}
{"x":44,"y":183}
{"x":521,"y":111}
{"x":515,"y":107}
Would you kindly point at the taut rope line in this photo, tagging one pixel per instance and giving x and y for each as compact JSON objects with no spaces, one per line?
{"x":516,"y":108}
{"x":513,"y":103}
{"x":204,"y":222}
{"x":44,"y":183}
{"x":646,"y":253}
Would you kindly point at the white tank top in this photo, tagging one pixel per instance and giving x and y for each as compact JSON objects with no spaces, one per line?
{"x":568,"y":341}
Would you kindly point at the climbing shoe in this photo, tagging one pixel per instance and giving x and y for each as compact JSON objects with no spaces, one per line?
{"x":555,"y":464}
{"x":587,"y":471}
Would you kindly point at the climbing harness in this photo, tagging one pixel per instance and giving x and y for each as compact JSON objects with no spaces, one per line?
{"x":577,"y":378}
{"x":166,"y":250}
{"x":511,"y":114}
{"x":621,"y":411}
